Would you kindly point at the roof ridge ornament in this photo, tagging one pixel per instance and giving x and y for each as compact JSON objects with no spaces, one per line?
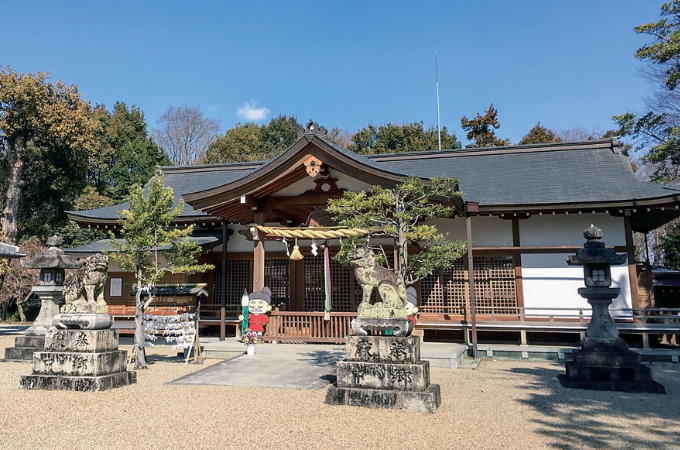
{"x":313,"y":128}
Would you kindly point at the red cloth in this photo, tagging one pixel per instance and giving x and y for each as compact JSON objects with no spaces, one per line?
{"x":412,"y":319}
{"x":256,"y":322}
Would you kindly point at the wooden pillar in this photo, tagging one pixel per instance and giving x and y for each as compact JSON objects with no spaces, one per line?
{"x":517,"y":262}
{"x":258,"y":257}
{"x":223,"y":283}
{"x":632,"y":269}
{"x":471,"y":207}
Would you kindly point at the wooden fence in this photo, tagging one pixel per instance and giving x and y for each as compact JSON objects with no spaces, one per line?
{"x":290,"y":326}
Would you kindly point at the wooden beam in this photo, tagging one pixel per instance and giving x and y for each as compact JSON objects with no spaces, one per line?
{"x":517,"y":260}
{"x":281,"y":215}
{"x":250,"y":201}
{"x":258,"y":257}
{"x":632,"y":269}
{"x":471,"y":284}
{"x":223,"y":282}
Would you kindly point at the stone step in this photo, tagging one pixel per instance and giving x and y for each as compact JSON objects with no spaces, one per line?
{"x":75,"y":383}
{"x":79,"y":364}
{"x":651,"y":387}
{"x":426,"y":401}
{"x":613,"y":359}
{"x":30,"y":341}
{"x":21,"y":353}
{"x":624,"y":374}
{"x":370,"y":375}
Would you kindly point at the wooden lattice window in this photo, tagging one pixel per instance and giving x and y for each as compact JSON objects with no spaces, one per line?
{"x":446,"y":290}
{"x":495,"y":290}
{"x":277,"y":278}
{"x":342,"y":283}
{"x":239,"y":277}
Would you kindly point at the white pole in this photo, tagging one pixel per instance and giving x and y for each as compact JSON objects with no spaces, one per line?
{"x":436,"y":76}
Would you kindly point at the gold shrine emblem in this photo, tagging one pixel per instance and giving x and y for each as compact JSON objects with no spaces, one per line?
{"x":313,"y":165}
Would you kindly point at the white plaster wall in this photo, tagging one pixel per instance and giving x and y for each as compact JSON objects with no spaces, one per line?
{"x":562,"y":229}
{"x":344,"y":182}
{"x":549,"y":282}
{"x":486,"y":231}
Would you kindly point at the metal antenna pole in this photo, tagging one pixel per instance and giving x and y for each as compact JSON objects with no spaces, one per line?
{"x":436,"y":76}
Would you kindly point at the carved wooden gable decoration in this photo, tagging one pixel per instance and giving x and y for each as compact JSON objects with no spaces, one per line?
{"x":312,"y":155}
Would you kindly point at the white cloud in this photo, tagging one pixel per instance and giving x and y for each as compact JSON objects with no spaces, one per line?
{"x":250,"y":112}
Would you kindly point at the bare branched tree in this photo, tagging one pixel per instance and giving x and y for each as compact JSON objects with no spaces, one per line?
{"x":185,"y":134}
{"x":19,"y":280}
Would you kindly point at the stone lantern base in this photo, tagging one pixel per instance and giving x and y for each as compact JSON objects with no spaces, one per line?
{"x":615,"y":370}
{"x":384,"y":372}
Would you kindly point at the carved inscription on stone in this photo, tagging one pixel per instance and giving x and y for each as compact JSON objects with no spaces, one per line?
{"x":359,"y":371}
{"x":58,"y":340}
{"x":364,"y":350}
{"x":398,"y":351}
{"x":79,"y":363}
{"x":81,"y":341}
{"x":401,"y":375}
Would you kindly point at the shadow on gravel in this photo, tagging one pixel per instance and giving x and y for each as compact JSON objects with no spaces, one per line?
{"x":593,"y":419}
{"x":323,"y":358}
{"x":12,"y":330}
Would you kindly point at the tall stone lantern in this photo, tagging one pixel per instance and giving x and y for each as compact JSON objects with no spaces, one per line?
{"x":52,"y":264}
{"x":604,"y":361}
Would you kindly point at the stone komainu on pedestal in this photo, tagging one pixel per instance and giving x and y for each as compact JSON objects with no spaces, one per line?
{"x":604,"y":362}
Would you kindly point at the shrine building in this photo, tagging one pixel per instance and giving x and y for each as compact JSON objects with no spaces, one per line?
{"x":525,"y":206}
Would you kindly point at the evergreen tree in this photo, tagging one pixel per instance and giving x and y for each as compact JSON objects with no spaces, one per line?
{"x":539,"y":135}
{"x":399,"y":213}
{"x":480,"y":129}
{"x":393,"y":138}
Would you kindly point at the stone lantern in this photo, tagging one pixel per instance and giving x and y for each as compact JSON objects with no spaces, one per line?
{"x":604,"y":362}
{"x":52,"y":264}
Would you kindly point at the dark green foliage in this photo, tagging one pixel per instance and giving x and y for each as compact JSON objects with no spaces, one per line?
{"x":126,"y":157}
{"x":480,"y":129}
{"x":670,"y":249}
{"x":393,"y":138}
{"x":539,"y":135}
{"x":665,"y":50}
{"x":252,"y":142}
{"x":74,"y":236}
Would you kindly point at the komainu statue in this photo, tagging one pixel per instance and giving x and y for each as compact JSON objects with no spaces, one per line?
{"x":390,"y":286}
{"x":84,"y":292}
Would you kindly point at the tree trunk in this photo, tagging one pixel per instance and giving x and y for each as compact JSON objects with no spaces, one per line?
{"x":20,"y":308}
{"x":10,"y":213}
{"x":138,"y":349}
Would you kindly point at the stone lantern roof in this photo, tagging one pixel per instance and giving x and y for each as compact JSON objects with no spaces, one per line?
{"x":52,"y":258}
{"x":594,"y":251}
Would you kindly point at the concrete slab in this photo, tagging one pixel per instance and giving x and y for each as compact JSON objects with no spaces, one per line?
{"x":273,"y":366}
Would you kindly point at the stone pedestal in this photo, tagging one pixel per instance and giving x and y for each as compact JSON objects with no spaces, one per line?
{"x":609,"y":371}
{"x":79,"y":360}
{"x":34,"y":337}
{"x":24,"y":347}
{"x":384,"y":372}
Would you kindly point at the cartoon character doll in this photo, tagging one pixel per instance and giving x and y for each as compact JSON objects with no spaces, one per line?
{"x":411,"y":304}
{"x":259,"y":304}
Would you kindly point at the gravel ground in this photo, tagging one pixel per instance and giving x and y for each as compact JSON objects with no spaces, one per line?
{"x":501,"y":404}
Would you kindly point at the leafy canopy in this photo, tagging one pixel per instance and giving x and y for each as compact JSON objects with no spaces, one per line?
{"x":399,"y":213}
{"x":252,"y":142}
{"x":394,"y":138}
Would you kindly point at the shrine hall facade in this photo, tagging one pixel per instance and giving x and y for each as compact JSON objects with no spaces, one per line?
{"x":525,"y":206}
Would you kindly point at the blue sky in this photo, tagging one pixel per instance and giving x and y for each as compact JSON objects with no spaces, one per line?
{"x":343,"y":63}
